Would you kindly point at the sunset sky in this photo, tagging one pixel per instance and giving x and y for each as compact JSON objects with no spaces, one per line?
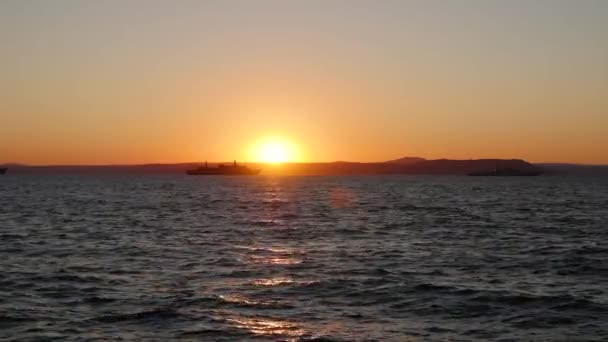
{"x":98,"y":82}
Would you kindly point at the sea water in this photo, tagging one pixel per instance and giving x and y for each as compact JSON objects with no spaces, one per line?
{"x":370,"y":258}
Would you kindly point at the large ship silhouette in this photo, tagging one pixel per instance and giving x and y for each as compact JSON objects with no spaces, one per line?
{"x":228,"y":170}
{"x":3,"y":170}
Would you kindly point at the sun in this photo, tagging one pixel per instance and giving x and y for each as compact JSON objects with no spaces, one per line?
{"x":274,"y":151}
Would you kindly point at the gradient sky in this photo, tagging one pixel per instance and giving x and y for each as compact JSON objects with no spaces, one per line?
{"x":96,"y":82}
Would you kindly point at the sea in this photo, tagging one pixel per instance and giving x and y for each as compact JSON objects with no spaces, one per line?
{"x":319,"y":258}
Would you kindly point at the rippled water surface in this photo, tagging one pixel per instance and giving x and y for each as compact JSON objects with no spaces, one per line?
{"x":399,"y":258}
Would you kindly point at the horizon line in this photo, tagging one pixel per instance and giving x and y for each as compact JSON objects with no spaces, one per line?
{"x":9,"y":164}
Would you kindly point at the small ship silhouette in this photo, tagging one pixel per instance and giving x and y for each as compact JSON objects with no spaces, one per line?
{"x":228,"y":170}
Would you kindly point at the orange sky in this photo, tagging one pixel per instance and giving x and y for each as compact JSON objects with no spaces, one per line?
{"x":151,"y":81}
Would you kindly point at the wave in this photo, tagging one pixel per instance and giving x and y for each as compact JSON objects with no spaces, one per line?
{"x":154,"y":314}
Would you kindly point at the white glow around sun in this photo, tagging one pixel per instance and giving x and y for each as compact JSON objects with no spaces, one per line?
{"x":274,"y":151}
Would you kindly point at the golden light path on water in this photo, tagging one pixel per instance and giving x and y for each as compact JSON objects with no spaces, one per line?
{"x":268,"y":326}
{"x":274,"y":257}
{"x":287,"y":330}
{"x":279,"y":260}
{"x":279,"y":281}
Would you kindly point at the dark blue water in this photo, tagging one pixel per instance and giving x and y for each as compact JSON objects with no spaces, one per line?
{"x":399,"y":258}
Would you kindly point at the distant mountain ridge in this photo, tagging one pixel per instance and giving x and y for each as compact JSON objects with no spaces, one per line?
{"x":406,"y":165}
{"x":450,"y":166}
{"x":406,"y":160}
{"x":574,"y":169}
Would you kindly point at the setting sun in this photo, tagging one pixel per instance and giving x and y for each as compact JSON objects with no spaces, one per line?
{"x":274,"y":151}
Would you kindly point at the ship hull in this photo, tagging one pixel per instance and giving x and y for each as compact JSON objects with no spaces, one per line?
{"x":221,"y":173}
{"x":3,"y":171}
{"x":223,"y":170}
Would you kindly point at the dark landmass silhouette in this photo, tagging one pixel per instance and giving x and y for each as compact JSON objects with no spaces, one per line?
{"x":406,"y":160}
{"x":574,"y":169}
{"x":413,"y":166}
{"x":407,"y":165}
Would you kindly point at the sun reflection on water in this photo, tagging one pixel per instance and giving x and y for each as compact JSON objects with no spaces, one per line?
{"x":340,"y":198}
{"x":266,"y":249}
{"x":243,"y":301}
{"x":267,"y":326}
{"x":274,"y":260}
{"x":236,"y":299}
{"x":272,"y":282}
{"x":281,"y":281}
{"x":273,"y":204}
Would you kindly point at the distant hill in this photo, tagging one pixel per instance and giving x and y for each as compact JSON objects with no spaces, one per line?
{"x":574,"y":169}
{"x":463,"y":167}
{"x":408,"y":165}
{"x":101,"y":169}
{"x":406,"y":160}
{"x":419,"y":167}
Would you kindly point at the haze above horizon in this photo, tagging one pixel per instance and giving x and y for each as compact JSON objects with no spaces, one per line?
{"x":139,"y":82}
